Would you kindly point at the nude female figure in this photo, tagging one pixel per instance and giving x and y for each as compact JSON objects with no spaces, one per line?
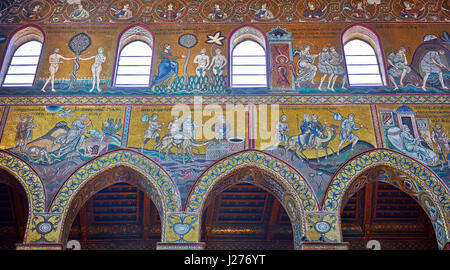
{"x":96,"y":68}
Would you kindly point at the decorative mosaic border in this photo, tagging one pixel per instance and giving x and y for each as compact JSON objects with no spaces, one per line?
{"x":225,"y":99}
{"x":189,"y":12}
{"x":291,"y":178}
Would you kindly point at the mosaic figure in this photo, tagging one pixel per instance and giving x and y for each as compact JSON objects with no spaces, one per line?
{"x":96,"y":68}
{"x":188,"y":126}
{"x":412,"y":145}
{"x":281,"y":130}
{"x":217,"y":13}
{"x":431,"y":64}
{"x":346,"y":135}
{"x":123,"y":14}
{"x":324,"y":66}
{"x":167,"y":69}
{"x":218,"y":63}
{"x":399,"y":66}
{"x":170,"y":12}
{"x":21,"y":128}
{"x":409,"y":10}
{"x":314,"y":136}
{"x":35,"y":12}
{"x":202,"y":61}
{"x":175,"y":128}
{"x":153,"y":129}
{"x":54,"y":59}
{"x":338,"y":70}
{"x":440,"y":139}
{"x":263,"y":13}
{"x":357,"y":10}
{"x":312,"y":11}
{"x":73,"y":139}
{"x":306,"y":68}
{"x":308,"y":129}
{"x":29,"y":130}
{"x":79,"y":13}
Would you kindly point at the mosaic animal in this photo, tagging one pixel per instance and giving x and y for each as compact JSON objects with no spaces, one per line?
{"x":316,"y":143}
{"x":185,"y":144}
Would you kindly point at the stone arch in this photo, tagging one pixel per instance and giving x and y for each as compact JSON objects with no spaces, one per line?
{"x":411,"y":177}
{"x":28,"y":179}
{"x":157,"y":184}
{"x":275,"y":176}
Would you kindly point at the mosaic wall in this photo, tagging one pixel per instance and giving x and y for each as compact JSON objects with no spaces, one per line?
{"x":316,"y":140}
{"x":414,"y":63}
{"x":189,"y":127}
{"x":175,"y":11}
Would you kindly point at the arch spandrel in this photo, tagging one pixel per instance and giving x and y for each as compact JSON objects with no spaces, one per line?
{"x":280,"y":170}
{"x":428,"y":187}
{"x":27,"y":177}
{"x":163,"y":183}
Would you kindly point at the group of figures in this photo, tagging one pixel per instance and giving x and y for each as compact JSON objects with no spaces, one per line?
{"x":56,"y":59}
{"x":329,"y":63}
{"x":181,"y":135}
{"x":123,"y":10}
{"x":80,"y":139}
{"x":316,"y":136}
{"x":168,"y":67}
{"x":426,"y":140}
{"x":432,"y":63}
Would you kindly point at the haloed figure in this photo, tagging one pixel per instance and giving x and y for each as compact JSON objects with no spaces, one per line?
{"x":96,"y":68}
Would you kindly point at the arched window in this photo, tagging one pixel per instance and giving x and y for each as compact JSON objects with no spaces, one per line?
{"x":134,"y":60}
{"x":363,"y":57}
{"x":248,"y":59}
{"x":21,"y":57}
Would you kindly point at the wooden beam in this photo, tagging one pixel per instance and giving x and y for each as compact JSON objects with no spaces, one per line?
{"x":369,"y":210}
{"x":273,"y":219}
{"x":16,"y":201}
{"x":146,"y":222}
{"x":83,"y":223}
{"x":210,"y":217}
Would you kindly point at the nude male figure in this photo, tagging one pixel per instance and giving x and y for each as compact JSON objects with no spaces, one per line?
{"x":54,"y":59}
{"x":218,"y":61}
{"x":202,"y":61}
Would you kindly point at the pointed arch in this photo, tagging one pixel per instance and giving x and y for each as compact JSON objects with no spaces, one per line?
{"x":161,"y":184}
{"x":22,"y":56}
{"x":363,"y":56}
{"x":266,"y":172}
{"x":248,"y":54}
{"x":283,"y":173}
{"x":134,"y":57}
{"x":28,"y":179}
{"x":431,"y":193}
